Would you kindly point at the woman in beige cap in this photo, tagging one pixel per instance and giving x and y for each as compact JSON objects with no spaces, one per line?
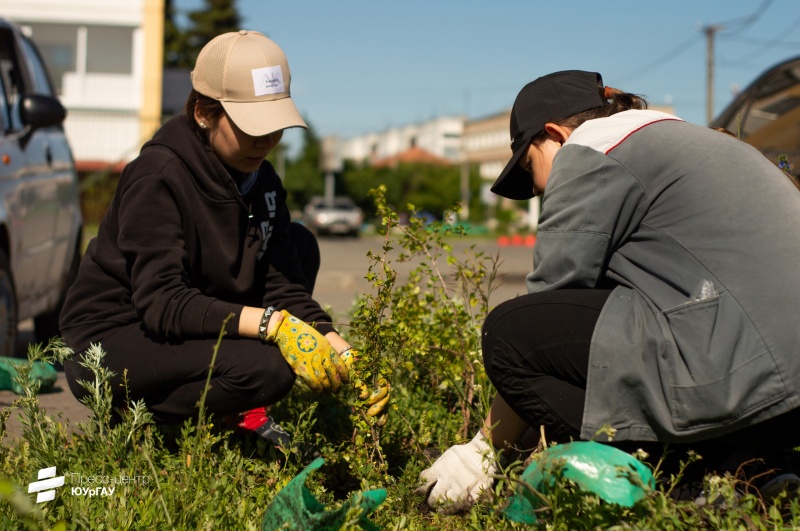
{"x":197,"y":237}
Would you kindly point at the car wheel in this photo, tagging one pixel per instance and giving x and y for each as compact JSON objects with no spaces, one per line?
{"x":46,"y":324}
{"x":8,"y":309}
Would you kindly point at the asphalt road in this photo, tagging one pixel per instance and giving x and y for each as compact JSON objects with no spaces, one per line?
{"x":345,"y":264}
{"x":340,"y":281}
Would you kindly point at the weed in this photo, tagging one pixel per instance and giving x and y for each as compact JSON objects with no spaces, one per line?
{"x":420,"y":329}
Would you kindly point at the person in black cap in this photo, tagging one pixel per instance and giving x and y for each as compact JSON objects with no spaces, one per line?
{"x":663,"y":295}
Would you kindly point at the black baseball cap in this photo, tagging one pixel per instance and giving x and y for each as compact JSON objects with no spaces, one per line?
{"x":550,"y":98}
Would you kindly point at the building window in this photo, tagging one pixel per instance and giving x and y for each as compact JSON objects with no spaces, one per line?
{"x":57,"y":44}
{"x":451,"y":153}
{"x":109,"y":50}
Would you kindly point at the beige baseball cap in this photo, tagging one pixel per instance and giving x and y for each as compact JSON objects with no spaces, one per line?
{"x":249,"y":75}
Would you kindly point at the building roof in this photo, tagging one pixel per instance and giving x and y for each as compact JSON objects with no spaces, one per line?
{"x":92,"y":166}
{"x":414,"y":154}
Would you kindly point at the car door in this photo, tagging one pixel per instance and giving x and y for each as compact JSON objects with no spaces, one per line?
{"x":62,"y":183}
{"x":28,"y":194}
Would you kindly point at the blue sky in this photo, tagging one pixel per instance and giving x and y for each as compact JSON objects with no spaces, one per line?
{"x":366,"y":65}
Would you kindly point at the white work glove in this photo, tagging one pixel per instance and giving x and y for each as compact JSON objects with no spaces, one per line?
{"x":455,"y":481}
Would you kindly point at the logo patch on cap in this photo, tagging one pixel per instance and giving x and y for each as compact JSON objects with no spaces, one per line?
{"x":267,"y":80}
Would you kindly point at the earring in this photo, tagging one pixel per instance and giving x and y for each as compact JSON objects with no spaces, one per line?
{"x":203,"y":125}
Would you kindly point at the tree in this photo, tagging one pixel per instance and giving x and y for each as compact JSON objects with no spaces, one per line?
{"x":174,"y":39}
{"x":429,"y":187}
{"x":304,"y":177}
{"x":218,"y":16}
{"x":181,"y":46}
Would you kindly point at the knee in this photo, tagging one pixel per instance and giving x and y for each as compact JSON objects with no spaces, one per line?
{"x":492,"y":336}
{"x":503,"y":319}
{"x":74,"y":373}
{"x":263,"y":383}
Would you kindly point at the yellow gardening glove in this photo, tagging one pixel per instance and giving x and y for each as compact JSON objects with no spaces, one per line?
{"x":309,"y":354}
{"x":378,"y":399}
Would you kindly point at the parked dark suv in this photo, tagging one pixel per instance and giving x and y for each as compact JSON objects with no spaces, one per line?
{"x":40,"y":218}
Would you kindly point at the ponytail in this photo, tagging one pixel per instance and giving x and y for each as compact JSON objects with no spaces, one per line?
{"x":616,"y":101}
{"x":619,"y":101}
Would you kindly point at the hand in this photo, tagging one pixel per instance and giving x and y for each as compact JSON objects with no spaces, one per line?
{"x":378,"y":399}
{"x":309,"y":354}
{"x":455,"y":481}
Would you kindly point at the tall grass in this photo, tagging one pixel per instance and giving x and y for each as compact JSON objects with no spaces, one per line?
{"x":422,"y":334}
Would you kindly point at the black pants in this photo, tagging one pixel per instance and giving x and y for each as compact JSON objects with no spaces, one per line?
{"x":171,"y":376}
{"x":536,"y":353}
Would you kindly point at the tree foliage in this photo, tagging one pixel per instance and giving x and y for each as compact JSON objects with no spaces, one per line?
{"x":182,"y":45}
{"x":174,"y":38}
{"x":430,"y":188}
{"x":301,"y":174}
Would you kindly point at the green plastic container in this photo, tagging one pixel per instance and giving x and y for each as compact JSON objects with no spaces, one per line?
{"x":41,"y":372}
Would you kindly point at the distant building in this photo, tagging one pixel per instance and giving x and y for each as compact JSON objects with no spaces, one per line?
{"x":441,"y":137}
{"x":106,"y":60}
{"x":486,"y":143}
{"x":414,"y":154}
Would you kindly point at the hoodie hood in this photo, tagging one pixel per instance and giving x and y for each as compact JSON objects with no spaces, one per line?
{"x":210,"y":176}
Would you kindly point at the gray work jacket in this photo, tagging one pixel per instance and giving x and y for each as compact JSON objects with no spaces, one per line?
{"x":701,"y":235}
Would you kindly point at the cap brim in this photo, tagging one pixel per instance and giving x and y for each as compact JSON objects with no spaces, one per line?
{"x":259,"y":118}
{"x":514,"y":182}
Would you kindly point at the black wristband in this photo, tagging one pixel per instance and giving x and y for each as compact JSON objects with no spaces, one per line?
{"x":262,"y":326}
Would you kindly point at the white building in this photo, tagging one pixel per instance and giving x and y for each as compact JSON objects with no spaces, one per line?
{"x":105,"y":57}
{"x":487,"y":144}
{"x":440,"y":137}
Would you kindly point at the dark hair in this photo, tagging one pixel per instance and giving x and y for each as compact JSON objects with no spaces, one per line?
{"x":616,"y":101}
{"x":208,"y":107}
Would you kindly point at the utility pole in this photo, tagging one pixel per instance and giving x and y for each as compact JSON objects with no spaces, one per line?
{"x":464,"y":212}
{"x":710,"y":30}
{"x":330,"y":163}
